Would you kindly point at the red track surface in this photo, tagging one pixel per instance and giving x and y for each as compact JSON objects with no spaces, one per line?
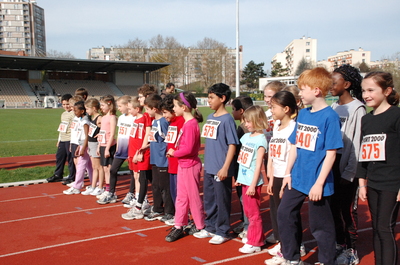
{"x":41,"y":225}
{"x":27,"y":161}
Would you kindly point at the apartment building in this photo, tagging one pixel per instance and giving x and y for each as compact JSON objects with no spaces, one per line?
{"x":296,"y":51}
{"x":352,"y":57}
{"x":22,"y":27}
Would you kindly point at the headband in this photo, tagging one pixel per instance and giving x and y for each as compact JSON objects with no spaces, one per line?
{"x":184,"y":100}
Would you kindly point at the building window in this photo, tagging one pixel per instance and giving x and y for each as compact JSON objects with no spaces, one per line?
{"x":363,"y":54}
{"x":307,"y":50}
{"x":307,"y":43}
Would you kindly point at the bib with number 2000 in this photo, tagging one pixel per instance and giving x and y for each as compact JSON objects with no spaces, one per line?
{"x":277,"y":148}
{"x":373,"y":148}
{"x":210,"y":129}
{"x":171,"y":134}
{"x":245,"y":156}
{"x":306,"y":137}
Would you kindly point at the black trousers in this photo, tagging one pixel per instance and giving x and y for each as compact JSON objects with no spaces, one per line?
{"x":115,"y":166}
{"x":63,"y":154}
{"x":162,"y":198}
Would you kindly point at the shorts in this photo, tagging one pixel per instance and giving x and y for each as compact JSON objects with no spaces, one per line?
{"x":92,"y":149}
{"x":73,"y":149}
{"x":132,"y":166}
{"x":107,"y":161}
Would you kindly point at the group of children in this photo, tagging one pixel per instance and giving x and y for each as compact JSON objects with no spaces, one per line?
{"x":329,"y":154}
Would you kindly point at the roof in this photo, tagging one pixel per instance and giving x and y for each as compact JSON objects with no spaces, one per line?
{"x":61,"y":64}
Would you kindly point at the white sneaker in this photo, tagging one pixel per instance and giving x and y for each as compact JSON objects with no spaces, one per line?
{"x":275,"y":250}
{"x":72,"y":184}
{"x":100,"y":196}
{"x":133,"y":213}
{"x":97,"y":191}
{"x":243,"y":234}
{"x":248,"y":249}
{"x":303,"y":251}
{"x":217,"y":240}
{"x":203,"y":234}
{"x":277,"y":260}
{"x":128,"y":197}
{"x":71,"y":190}
{"x":89,"y":189}
{"x":244,"y":240}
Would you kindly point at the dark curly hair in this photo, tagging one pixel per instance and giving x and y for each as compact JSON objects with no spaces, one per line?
{"x":352,"y":75}
{"x":168,"y":103}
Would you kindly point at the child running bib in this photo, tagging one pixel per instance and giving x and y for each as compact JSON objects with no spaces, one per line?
{"x":210,"y":129}
{"x":134,"y":129}
{"x":152,"y":135}
{"x":277,"y":148}
{"x":92,"y":129}
{"x":245,"y":156}
{"x":171,"y":134}
{"x":101,"y":137}
{"x":373,"y":148}
{"x":124,"y":129}
{"x":306,"y":137}
{"x":63,"y":127}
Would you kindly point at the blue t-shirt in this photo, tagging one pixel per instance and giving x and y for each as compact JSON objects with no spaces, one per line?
{"x":246,"y":174}
{"x":316,"y":132}
{"x":158,"y":149}
{"x":216,"y":149}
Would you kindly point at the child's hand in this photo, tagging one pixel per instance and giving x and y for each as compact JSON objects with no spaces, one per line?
{"x":237,"y":183}
{"x":98,"y":152}
{"x":222,"y":174}
{"x":81,"y":152}
{"x":170,"y":152}
{"x":77,"y":153}
{"x":269,"y":189}
{"x":362,"y":193}
{"x":57,"y":144}
{"x":398,"y":196}
{"x":107,"y":153}
{"x":316,"y":193}
{"x":251,"y":191}
{"x":286,"y":181}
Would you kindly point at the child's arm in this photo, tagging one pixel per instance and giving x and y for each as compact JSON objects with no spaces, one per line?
{"x":113,"y":123}
{"x":317,"y":189}
{"x":287,"y":180}
{"x":85,"y":143}
{"x":270,"y":175}
{"x":362,"y":189}
{"x":145,"y":143}
{"x":257,"y":171}
{"x":223,"y":172}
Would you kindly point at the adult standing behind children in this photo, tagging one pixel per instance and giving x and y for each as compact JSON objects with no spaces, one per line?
{"x":379,"y":168}
{"x":314,"y":142}
{"x":221,"y":140}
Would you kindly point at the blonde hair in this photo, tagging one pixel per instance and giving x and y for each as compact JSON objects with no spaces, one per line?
{"x":75,"y":99}
{"x":274,"y":86}
{"x":109,"y":99}
{"x":136,"y":103}
{"x":255,"y":114}
{"x":92,"y":103}
{"x":124,"y":99}
{"x":318,"y":77}
{"x":295,"y":91}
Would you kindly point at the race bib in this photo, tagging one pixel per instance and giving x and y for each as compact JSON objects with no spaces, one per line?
{"x":306,"y":137}
{"x":210,"y":129}
{"x":63,"y":127}
{"x":171,"y":134}
{"x":245,"y":156}
{"x":271,"y":122}
{"x":124,"y":129}
{"x":373,"y":148}
{"x":134,"y":129}
{"x":79,"y":133}
{"x":179,"y":137}
{"x":74,"y":125}
{"x":141,"y":126}
{"x":92,"y":129}
{"x":101,"y":137}
{"x":277,"y":148}
{"x":152,"y":135}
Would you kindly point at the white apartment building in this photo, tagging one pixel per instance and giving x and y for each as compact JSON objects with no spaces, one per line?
{"x":352,"y":57}
{"x":22,"y":27}
{"x":295,"y":51}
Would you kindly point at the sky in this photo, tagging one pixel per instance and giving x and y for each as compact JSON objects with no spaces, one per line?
{"x":266,"y":26}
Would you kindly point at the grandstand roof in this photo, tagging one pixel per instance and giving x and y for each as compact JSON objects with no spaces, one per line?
{"x":60,"y":64}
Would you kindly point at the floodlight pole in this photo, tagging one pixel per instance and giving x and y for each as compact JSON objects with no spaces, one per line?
{"x":237,"y":50}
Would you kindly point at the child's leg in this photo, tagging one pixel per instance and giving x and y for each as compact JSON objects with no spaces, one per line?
{"x":223,"y":195}
{"x":143,"y":179}
{"x":173,"y":186}
{"x":158,"y":204}
{"x":289,"y":223}
{"x":322,"y":227}
{"x":100,"y":171}
{"x":182,"y":199}
{"x":80,"y":170}
{"x":169,"y":207}
{"x":210,"y":202}
{"x":116,"y":165}
{"x":192,"y":183}
{"x":71,"y":165}
{"x":61,"y":157}
{"x":274,"y":202}
{"x":251,"y":205}
{"x":137,"y":183}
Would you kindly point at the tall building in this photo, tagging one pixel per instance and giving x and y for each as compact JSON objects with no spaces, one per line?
{"x":352,"y":57}
{"x":295,"y":52}
{"x":22,"y":27}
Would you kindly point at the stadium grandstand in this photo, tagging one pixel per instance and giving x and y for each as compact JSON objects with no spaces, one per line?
{"x":37,"y":82}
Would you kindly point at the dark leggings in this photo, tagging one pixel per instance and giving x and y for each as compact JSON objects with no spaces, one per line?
{"x":145,"y":176}
{"x":132,"y":185}
{"x":115,"y":166}
{"x":384,"y":209}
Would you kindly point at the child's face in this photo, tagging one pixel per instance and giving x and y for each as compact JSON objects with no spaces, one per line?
{"x":214,"y":101}
{"x":123,"y":108}
{"x":150,"y":111}
{"x":133,"y":111}
{"x":65,"y":105}
{"x":169,"y":116}
{"x":90,"y":110}
{"x":105,"y":108}
{"x":249,"y":126}
{"x":339,"y":84}
{"x":278,"y":111}
{"x":307,"y":94}
{"x":178,"y":109}
{"x":78,"y":112}
{"x":141,"y":99}
{"x":372,"y":93}
{"x":268,"y":94}
{"x":237,"y":113}
{"x":71,"y":105}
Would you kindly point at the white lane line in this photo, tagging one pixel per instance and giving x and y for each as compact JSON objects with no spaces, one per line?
{"x":58,"y":214}
{"x":80,"y":241}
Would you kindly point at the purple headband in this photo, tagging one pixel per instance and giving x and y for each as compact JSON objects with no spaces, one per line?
{"x":184,"y":100}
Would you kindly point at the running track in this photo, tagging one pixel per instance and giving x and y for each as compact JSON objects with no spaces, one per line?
{"x":41,"y":225}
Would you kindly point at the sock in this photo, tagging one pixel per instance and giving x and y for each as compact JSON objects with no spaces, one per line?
{"x":137,"y":195}
{"x":107,"y":187}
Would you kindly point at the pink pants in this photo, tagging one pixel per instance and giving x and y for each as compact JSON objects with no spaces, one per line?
{"x":251,"y":205}
{"x":84,"y":164}
{"x":188,"y":196}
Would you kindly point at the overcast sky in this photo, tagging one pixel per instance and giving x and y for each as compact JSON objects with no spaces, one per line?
{"x":266,"y":26}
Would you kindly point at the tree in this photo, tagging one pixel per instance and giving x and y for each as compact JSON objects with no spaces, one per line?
{"x":278,"y":70}
{"x":132,"y":51}
{"x":302,"y":66}
{"x":392,"y":65}
{"x":364,"y":68}
{"x":58,"y":54}
{"x":251,"y":74}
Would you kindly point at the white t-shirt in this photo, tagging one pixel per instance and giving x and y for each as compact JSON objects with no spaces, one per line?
{"x":271,"y":121}
{"x":74,"y":130}
{"x":81,"y":132}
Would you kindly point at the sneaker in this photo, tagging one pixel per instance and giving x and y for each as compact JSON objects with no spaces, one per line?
{"x":277,"y":260}
{"x":244,"y":240}
{"x":100,"y":196}
{"x":97,"y":191}
{"x":146,"y":207}
{"x":340,"y":249}
{"x":243,"y":234}
{"x":174,"y":235}
{"x":238,"y":229}
{"x":133,"y":213}
{"x":192,"y":230}
{"x":108,"y":198}
{"x":89,"y":189}
{"x":128,"y":197}
{"x":71,"y":190}
{"x":348,"y":257}
{"x":154,"y":216}
{"x":217,"y":240}
{"x":203,"y":234}
{"x":275,"y":250}
{"x":170,"y":222}
{"x":54,"y":178}
{"x":294,"y":262}
{"x":167,"y":217}
{"x":73,"y":183}
{"x":271,"y":239}
{"x":303,"y":251}
{"x":248,"y":249}
{"x":131,"y":203}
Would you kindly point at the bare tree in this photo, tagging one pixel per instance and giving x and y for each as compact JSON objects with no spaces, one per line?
{"x":58,"y":54}
{"x":134,"y":50}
